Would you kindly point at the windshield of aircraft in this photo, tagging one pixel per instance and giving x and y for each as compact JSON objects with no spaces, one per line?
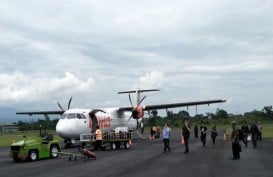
{"x":73,"y":116}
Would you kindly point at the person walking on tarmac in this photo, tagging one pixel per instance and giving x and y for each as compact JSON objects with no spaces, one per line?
{"x":254,"y":134}
{"x":203,"y":135}
{"x":236,"y":148}
{"x":186,"y":135}
{"x":213,"y":133}
{"x":196,"y":131}
{"x":98,"y":138}
{"x":260,"y":129}
{"x":245,"y":130}
{"x":166,"y":137}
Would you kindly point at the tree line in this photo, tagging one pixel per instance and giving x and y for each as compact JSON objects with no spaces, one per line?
{"x":221,"y":116}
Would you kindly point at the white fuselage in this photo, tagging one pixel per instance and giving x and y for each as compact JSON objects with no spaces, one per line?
{"x":77,"y":121}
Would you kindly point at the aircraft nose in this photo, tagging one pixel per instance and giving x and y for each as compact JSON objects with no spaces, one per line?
{"x":62,"y":129}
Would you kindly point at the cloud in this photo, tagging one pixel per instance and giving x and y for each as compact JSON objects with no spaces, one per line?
{"x":154,"y":79}
{"x":30,"y":88}
{"x":254,"y":66}
{"x":92,"y":49}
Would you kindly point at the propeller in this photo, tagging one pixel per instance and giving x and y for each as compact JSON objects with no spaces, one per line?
{"x":137,"y":111}
{"x":60,"y":106}
{"x":130,"y":100}
{"x":69,"y":102}
{"x":141,"y":100}
{"x":68,"y":106}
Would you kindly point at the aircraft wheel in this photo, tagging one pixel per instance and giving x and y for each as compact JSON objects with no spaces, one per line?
{"x":33,"y":155}
{"x":54,"y":151}
{"x":113,"y":146}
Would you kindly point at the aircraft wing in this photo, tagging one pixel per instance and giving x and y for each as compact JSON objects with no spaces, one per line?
{"x":174,"y":105}
{"x":42,"y":112}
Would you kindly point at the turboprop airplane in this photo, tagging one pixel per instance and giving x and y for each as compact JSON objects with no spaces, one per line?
{"x":76,"y":121}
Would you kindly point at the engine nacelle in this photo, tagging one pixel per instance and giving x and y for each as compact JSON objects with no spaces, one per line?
{"x":138,"y":112}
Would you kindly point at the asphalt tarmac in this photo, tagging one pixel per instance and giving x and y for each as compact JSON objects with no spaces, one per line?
{"x":146,"y":158}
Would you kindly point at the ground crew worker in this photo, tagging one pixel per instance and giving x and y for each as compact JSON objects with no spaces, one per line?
{"x":166,"y":137}
{"x":98,"y":138}
{"x":203,"y":135}
{"x":186,"y":135}
{"x":213,"y":133}
{"x":236,"y":149}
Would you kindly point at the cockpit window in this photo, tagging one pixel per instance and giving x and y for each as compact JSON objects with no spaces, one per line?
{"x":63,"y":116}
{"x":83,"y":116}
{"x":80,"y":116}
{"x":71,"y":116}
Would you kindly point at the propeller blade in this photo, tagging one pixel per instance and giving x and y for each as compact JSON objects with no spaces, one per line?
{"x":130,"y":100}
{"x":69,"y":102}
{"x":141,"y":100}
{"x":130,"y":117}
{"x":60,"y":106}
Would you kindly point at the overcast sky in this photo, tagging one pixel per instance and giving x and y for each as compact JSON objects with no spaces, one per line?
{"x":91,"y":49}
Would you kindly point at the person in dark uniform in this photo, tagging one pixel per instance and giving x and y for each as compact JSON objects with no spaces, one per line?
{"x":245,"y":130}
{"x":213,"y":133}
{"x":152,"y":132}
{"x":254,"y":134}
{"x":236,"y":149}
{"x":196,"y":131}
{"x":186,"y":135}
{"x":203,"y":134}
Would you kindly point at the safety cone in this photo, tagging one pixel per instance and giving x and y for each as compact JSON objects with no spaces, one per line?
{"x":224,"y":137}
{"x":182,"y":140}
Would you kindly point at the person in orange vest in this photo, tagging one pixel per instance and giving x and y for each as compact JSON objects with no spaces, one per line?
{"x":98,"y":138}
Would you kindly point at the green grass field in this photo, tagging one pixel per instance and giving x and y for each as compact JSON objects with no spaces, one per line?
{"x":267,"y":130}
{"x":7,"y":139}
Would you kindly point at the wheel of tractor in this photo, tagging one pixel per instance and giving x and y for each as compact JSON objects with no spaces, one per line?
{"x":54,"y":151}
{"x":33,"y":155}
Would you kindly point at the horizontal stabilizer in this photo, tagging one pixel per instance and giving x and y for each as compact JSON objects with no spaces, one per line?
{"x":139,"y":91}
